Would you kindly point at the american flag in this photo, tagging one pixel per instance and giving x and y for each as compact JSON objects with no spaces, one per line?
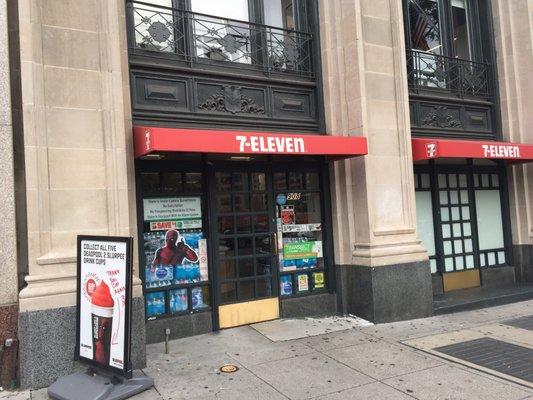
{"x":419,"y":24}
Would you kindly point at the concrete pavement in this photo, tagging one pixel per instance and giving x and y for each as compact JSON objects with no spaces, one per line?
{"x":336,"y":358}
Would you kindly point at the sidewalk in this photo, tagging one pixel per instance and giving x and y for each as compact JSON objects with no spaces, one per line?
{"x":342,"y":358}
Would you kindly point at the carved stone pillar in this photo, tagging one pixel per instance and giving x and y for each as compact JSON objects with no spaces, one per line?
{"x":383,"y":272}
{"x":8,"y":231}
{"x":513,"y":41}
{"x":78,"y":166}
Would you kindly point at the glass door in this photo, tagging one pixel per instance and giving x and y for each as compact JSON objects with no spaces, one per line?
{"x":246,"y":268}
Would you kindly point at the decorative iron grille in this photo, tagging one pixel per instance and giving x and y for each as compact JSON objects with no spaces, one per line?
{"x":428,"y":72}
{"x":201,"y":38}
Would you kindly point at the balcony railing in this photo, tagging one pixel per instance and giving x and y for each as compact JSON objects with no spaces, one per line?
{"x":462,"y":78}
{"x":199,"y":38}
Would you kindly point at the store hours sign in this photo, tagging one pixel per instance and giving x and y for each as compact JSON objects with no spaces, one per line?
{"x":104,"y":302}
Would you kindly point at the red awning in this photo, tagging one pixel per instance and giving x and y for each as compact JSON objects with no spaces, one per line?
{"x":159,"y":140}
{"x":427,"y":149}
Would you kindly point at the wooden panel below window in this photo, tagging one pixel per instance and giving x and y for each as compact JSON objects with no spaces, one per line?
{"x":461,"y":280}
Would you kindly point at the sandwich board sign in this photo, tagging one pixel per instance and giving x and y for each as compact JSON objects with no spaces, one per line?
{"x":103,"y":323}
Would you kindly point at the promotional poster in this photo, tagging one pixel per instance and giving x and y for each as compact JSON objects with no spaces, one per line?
{"x":175,"y":257}
{"x":104,"y":287}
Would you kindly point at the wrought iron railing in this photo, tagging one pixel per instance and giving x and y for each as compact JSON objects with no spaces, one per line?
{"x":200,"y":38}
{"x":463,"y":78}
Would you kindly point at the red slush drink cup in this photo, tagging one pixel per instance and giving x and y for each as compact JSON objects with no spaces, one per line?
{"x":102,"y":321}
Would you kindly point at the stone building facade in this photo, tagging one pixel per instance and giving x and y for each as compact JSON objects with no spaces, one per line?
{"x":77,"y":81}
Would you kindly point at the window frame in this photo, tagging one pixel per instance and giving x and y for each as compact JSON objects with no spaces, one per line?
{"x":469,"y":169}
{"x":161,"y":168}
{"x":446,"y":29}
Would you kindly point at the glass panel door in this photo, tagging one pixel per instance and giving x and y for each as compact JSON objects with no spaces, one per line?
{"x":489,"y":220}
{"x":456,"y":222}
{"x":246,"y":252}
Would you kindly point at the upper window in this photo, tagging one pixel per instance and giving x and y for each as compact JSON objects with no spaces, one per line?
{"x":445,"y":46}
{"x":270,"y":34}
{"x":441,"y":27}
{"x":279,"y":13}
{"x":424,"y":26}
{"x":461,"y":29}
{"x":233,"y":9}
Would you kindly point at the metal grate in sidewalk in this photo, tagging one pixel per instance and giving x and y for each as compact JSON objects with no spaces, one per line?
{"x":522,"y":323}
{"x":505,"y":358}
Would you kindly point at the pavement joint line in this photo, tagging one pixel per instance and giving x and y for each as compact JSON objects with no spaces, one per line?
{"x":260,"y":333}
{"x":153,"y":387}
{"x":371,"y":377}
{"x":399,"y":390}
{"x":367,"y":384}
{"x":331,"y":358}
{"x":266,"y":362}
{"x":261,"y":379}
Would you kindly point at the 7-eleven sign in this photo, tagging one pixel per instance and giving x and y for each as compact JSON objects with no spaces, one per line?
{"x":431,"y":150}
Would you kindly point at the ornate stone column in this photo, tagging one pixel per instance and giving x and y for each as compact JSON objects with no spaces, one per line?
{"x":78,"y":166}
{"x":8,"y":232}
{"x":383,"y":272}
{"x":513,"y":40}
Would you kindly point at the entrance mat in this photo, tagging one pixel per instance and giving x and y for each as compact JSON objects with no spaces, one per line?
{"x":522,"y":323}
{"x":505,"y":358}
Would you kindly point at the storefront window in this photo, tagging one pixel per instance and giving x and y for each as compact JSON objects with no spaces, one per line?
{"x":489,"y":220}
{"x":176,"y":278}
{"x":457,"y":201}
{"x":299,"y":232}
{"x":424,"y":217}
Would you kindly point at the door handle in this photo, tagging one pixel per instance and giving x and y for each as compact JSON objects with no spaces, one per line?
{"x":275,"y":242}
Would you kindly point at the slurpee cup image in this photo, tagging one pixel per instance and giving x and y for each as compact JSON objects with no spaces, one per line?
{"x":102,"y":305}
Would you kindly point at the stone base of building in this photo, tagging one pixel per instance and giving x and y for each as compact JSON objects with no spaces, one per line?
{"x":48,"y":341}
{"x":385,"y":293}
{"x":180,"y":326}
{"x":438,"y":285}
{"x":497,"y":277}
{"x":8,"y":355}
{"x":309,"y":306}
{"x":523,"y":261}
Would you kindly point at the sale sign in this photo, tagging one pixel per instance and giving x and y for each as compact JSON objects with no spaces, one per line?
{"x":103,"y":301}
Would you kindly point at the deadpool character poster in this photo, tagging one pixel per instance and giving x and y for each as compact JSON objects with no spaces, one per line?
{"x":175,"y":251}
{"x":175,"y":257}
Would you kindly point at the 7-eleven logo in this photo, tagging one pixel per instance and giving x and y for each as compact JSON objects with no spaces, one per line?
{"x":431,"y":150}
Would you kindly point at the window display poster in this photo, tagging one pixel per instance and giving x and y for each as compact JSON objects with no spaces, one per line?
{"x":303,"y":282}
{"x":299,"y":263}
{"x":178,"y":300}
{"x":302,"y":249}
{"x":318,"y":280}
{"x":197,"y":296}
{"x":103,"y":302}
{"x":155,"y":304}
{"x":287,"y":215}
{"x":165,"y":213}
{"x":175,"y":257}
{"x":297,"y":228}
{"x":285,"y":283}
